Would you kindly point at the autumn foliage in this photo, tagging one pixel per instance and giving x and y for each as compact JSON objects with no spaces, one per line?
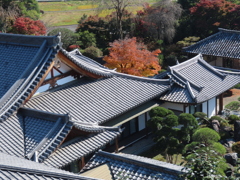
{"x":208,"y":15}
{"x":25,"y":25}
{"x":131,"y":57}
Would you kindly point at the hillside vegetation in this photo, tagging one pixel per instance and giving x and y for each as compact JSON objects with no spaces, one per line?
{"x":69,"y":13}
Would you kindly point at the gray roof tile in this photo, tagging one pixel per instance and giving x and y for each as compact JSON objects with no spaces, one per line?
{"x":24,"y":60}
{"x":225,"y":43}
{"x":31,"y":131}
{"x":195,"y":81}
{"x":97,"y":101}
{"x":87,"y":64}
{"x":15,"y":168}
{"x":80,"y":147}
{"x":134,"y":167}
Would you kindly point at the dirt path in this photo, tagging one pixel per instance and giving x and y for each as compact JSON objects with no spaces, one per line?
{"x":233,"y":97}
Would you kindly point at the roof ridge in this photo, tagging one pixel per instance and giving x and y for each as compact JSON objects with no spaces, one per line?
{"x":30,"y":40}
{"x":134,"y":160}
{"x":208,"y":66}
{"x":84,"y":126}
{"x":143,"y":79}
{"x":43,"y":172}
{"x":229,"y":30}
{"x":93,"y":69}
{"x":26,"y":88}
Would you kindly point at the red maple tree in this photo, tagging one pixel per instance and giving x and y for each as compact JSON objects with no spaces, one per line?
{"x":131,"y":57}
{"x":25,"y":25}
{"x":208,"y":15}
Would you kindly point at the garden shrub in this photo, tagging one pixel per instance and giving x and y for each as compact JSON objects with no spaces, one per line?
{"x":217,"y":118}
{"x":232,"y":118}
{"x":236,"y":147}
{"x":234,"y":105}
{"x":237,"y":86}
{"x":206,"y":136}
{"x":158,"y":111}
{"x":238,"y":98}
{"x":92,"y":52}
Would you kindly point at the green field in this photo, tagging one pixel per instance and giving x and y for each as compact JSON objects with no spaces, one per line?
{"x":68,"y":13}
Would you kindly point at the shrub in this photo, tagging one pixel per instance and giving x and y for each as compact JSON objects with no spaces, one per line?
{"x":232,"y":118}
{"x":217,"y":118}
{"x":234,"y":105}
{"x":92,"y":52}
{"x":158,"y":111}
{"x":237,"y":86}
{"x":171,"y":120}
{"x":206,"y":135}
{"x":238,"y":98}
{"x":236,"y":147}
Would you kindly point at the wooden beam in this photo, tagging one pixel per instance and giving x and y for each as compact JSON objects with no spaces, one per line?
{"x":220,"y":103}
{"x":68,"y":62}
{"x":40,"y":82}
{"x":116,"y":145}
{"x":54,"y":79}
{"x":57,"y":70}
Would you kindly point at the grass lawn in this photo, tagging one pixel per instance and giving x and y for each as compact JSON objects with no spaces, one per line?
{"x":69,"y":12}
{"x":153,"y":153}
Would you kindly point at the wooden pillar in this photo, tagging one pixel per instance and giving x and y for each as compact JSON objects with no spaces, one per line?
{"x":82,"y":164}
{"x":146,"y":126}
{"x":116,"y":145}
{"x":220,"y":103}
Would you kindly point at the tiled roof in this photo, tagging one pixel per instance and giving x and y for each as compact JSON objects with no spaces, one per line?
{"x":225,"y":43}
{"x":15,"y":168}
{"x":12,"y":136}
{"x":102,"y":99}
{"x":195,"y":81}
{"x":80,"y":147}
{"x":31,"y":131}
{"x":92,"y":127}
{"x":132,"y":167}
{"x":87,"y":64}
{"x":24,"y":60}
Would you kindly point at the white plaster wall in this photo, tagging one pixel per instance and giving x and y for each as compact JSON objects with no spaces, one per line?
{"x":219,"y":62}
{"x":141,"y":122}
{"x":211,"y":107}
{"x":204,"y":108}
{"x":175,"y":106}
{"x":63,"y":68}
{"x":187,"y":109}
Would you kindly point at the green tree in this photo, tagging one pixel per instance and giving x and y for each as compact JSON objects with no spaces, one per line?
{"x":92,"y":52}
{"x":86,"y":39}
{"x":29,"y":8}
{"x":67,"y":36}
{"x":209,"y":150}
{"x":105,"y":28}
{"x":204,"y":164}
{"x":189,"y":126}
{"x":119,"y":8}
{"x":164,"y":122}
{"x":206,"y":136}
{"x":8,"y":17}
